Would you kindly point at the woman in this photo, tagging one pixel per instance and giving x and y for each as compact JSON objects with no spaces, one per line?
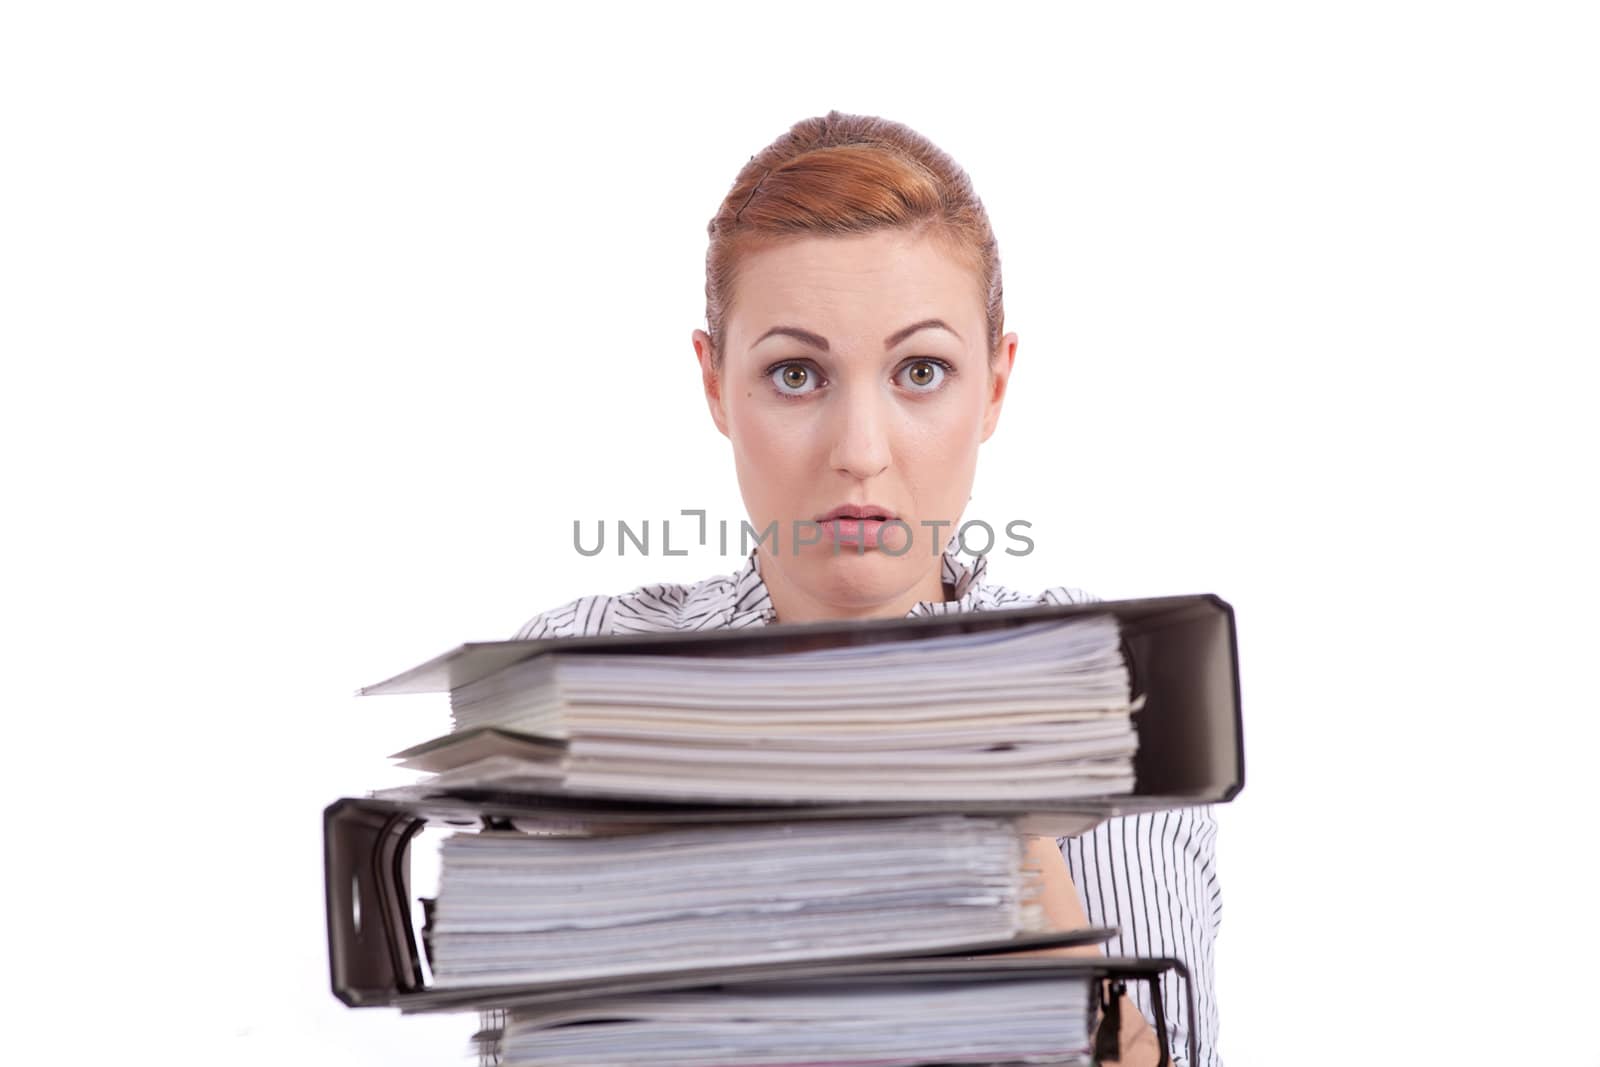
{"x":855,"y":361}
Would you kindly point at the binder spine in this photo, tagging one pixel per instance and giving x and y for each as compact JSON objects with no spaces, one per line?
{"x":372,"y":950}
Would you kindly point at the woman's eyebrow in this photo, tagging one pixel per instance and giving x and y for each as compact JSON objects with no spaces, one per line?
{"x":818,"y":341}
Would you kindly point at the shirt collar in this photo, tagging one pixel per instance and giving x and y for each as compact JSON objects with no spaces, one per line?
{"x":752,"y":604}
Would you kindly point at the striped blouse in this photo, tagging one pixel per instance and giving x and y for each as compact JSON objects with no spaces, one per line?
{"x":1151,"y":875}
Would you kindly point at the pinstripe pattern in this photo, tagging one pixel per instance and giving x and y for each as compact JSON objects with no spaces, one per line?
{"x":1152,"y":875}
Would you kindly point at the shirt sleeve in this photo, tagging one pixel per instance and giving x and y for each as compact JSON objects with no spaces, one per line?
{"x":585,"y":616}
{"x":1153,"y":876}
{"x":1066,"y":594}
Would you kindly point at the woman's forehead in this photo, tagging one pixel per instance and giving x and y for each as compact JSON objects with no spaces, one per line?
{"x":881,"y":253}
{"x":866,"y":281}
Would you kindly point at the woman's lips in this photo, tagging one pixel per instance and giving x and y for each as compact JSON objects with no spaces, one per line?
{"x":858,"y":533}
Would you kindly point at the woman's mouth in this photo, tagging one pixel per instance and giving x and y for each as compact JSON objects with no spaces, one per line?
{"x":855,"y":525}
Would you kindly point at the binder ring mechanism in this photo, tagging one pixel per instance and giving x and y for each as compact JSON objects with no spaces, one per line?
{"x":1107,"y":1046}
{"x":1136,"y":686}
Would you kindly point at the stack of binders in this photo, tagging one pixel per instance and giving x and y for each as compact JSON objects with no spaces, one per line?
{"x":797,"y":844}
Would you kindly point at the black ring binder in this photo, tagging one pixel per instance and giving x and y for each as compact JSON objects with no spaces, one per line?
{"x":375,"y":963}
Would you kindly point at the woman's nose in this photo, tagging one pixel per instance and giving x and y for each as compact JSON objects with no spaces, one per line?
{"x":861,"y":433}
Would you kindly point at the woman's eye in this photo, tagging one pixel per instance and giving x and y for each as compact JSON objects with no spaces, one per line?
{"x":794,"y":379}
{"x":924,"y":374}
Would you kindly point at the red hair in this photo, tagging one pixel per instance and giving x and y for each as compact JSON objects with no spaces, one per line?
{"x":840,"y":175}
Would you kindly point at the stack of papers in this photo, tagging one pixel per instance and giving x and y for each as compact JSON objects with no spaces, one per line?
{"x":516,"y":909}
{"x":1036,"y":711}
{"x":1034,"y":1021}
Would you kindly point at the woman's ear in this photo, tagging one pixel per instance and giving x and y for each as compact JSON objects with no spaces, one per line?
{"x":999,"y":377}
{"x":710,"y":380}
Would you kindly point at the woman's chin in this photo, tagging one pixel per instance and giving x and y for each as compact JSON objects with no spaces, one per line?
{"x":860,"y":579}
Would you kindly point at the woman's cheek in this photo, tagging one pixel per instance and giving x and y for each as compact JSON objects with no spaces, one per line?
{"x":944,"y":433}
{"x":772,"y":470}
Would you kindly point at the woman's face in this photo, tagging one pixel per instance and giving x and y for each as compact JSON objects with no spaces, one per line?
{"x":838,"y":389}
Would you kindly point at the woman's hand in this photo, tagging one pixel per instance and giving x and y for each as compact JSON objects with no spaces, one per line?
{"x":1064,"y":911}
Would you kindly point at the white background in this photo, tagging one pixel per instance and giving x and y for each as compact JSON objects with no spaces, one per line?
{"x":317,"y":317}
